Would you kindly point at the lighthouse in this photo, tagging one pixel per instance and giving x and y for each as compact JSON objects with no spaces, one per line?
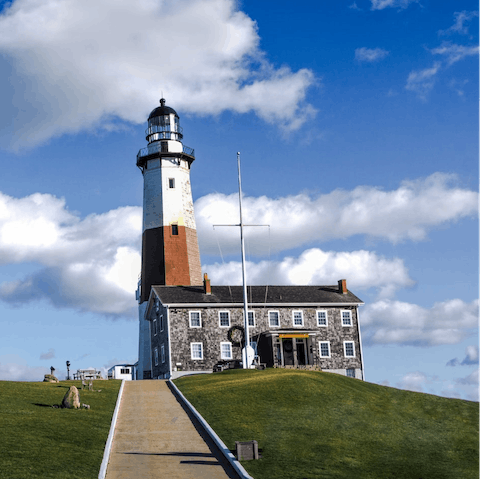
{"x":170,"y":254}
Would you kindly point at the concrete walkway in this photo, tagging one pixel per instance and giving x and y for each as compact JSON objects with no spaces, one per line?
{"x":155,"y":438}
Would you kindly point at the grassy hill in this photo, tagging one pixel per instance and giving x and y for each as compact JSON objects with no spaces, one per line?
{"x":38,"y":441}
{"x":321,"y":425}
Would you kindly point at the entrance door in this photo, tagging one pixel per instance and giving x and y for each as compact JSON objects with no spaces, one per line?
{"x":287,"y":352}
{"x":301,"y":352}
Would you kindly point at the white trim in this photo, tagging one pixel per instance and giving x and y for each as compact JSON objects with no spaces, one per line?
{"x":190,"y":319}
{"x":191,"y":351}
{"x":270,"y":325}
{"x":320,"y":349}
{"x":350,"y":317}
{"x":293,"y":318}
{"x":345,"y":349}
{"x":162,"y":353}
{"x":360,"y":344}
{"x":219,"y":320}
{"x":169,"y":343}
{"x":113,"y":424}
{"x":326,"y":318}
{"x":258,"y":305}
{"x":223,"y":343}
{"x":154,"y":324}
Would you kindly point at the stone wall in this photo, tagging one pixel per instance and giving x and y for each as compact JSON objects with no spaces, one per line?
{"x":211,"y":335}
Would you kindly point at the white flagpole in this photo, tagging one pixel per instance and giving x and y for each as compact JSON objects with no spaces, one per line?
{"x":244,"y":274}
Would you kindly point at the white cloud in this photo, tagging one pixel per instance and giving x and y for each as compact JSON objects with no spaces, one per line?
{"x":421,"y":81}
{"x":15,"y":368}
{"x":400,"y":4}
{"x":93,"y":62}
{"x":471,"y":355}
{"x":370,"y":54}
{"x":408,"y":212}
{"x":460,"y":20}
{"x":471,"y":379}
{"x":92,"y":263}
{"x":89,"y":264}
{"x":466,"y":388}
{"x":50,"y":354}
{"x":413,"y":381}
{"x":362,"y":269}
{"x":396,"y":322}
{"x":454,"y":52}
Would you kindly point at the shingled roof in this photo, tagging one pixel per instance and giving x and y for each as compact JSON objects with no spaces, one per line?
{"x":256,"y":295}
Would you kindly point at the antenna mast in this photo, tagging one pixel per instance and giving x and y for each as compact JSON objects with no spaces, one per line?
{"x":244,"y":273}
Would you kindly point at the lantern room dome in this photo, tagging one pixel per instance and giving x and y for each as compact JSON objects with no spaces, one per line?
{"x":162,"y":110}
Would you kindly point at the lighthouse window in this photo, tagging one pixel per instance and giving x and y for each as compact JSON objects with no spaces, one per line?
{"x":171,"y":182}
{"x":346,"y":318}
{"x":195,"y":320}
{"x":224,"y":318}
{"x":273,"y":319}
{"x":349,"y":349}
{"x":196,"y":350}
{"x":174,"y":230}
{"x":226,"y":350}
{"x":164,"y":146}
{"x":298,"y":318}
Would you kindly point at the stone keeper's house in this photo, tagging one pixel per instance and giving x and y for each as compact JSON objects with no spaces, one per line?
{"x":314,"y":327}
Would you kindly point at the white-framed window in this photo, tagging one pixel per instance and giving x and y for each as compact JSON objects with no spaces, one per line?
{"x":171,"y":182}
{"x":157,"y":305}
{"x":195,"y":319}
{"x":297,"y":318}
{"x":162,"y":353}
{"x":251,"y":318}
{"x":161,"y":323}
{"x":154,"y":326}
{"x":322,"y":318}
{"x":125,"y":371}
{"x":196,"y":350}
{"x":350,"y":372}
{"x":273,"y":319}
{"x":224,"y":319}
{"x":346,"y":318}
{"x":226,"y":350}
{"x":155,"y":355}
{"x":324,"y":347}
{"x":349,"y":349}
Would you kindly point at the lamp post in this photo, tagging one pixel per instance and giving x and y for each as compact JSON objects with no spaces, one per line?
{"x":68,"y":370}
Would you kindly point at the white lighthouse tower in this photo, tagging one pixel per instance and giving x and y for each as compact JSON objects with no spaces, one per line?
{"x":170,"y":254}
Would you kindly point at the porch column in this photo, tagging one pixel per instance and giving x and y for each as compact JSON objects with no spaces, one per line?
{"x":294,"y":349}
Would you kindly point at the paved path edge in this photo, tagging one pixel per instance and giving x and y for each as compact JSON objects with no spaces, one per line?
{"x":108,"y":444}
{"x":223,"y":448}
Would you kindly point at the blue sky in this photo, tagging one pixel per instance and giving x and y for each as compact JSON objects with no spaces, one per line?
{"x":358,"y":128}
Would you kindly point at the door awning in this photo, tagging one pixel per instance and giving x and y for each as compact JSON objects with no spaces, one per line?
{"x":290,"y":336}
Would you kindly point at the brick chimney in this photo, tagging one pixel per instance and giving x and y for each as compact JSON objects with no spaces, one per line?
{"x":342,"y":286}
{"x":207,"y":289}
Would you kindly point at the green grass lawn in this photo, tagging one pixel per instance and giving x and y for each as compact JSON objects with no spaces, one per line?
{"x":38,"y":441}
{"x":322,"y":425}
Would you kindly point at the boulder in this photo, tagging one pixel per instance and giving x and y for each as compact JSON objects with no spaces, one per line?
{"x":50,"y":378}
{"x":71,"y":400}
